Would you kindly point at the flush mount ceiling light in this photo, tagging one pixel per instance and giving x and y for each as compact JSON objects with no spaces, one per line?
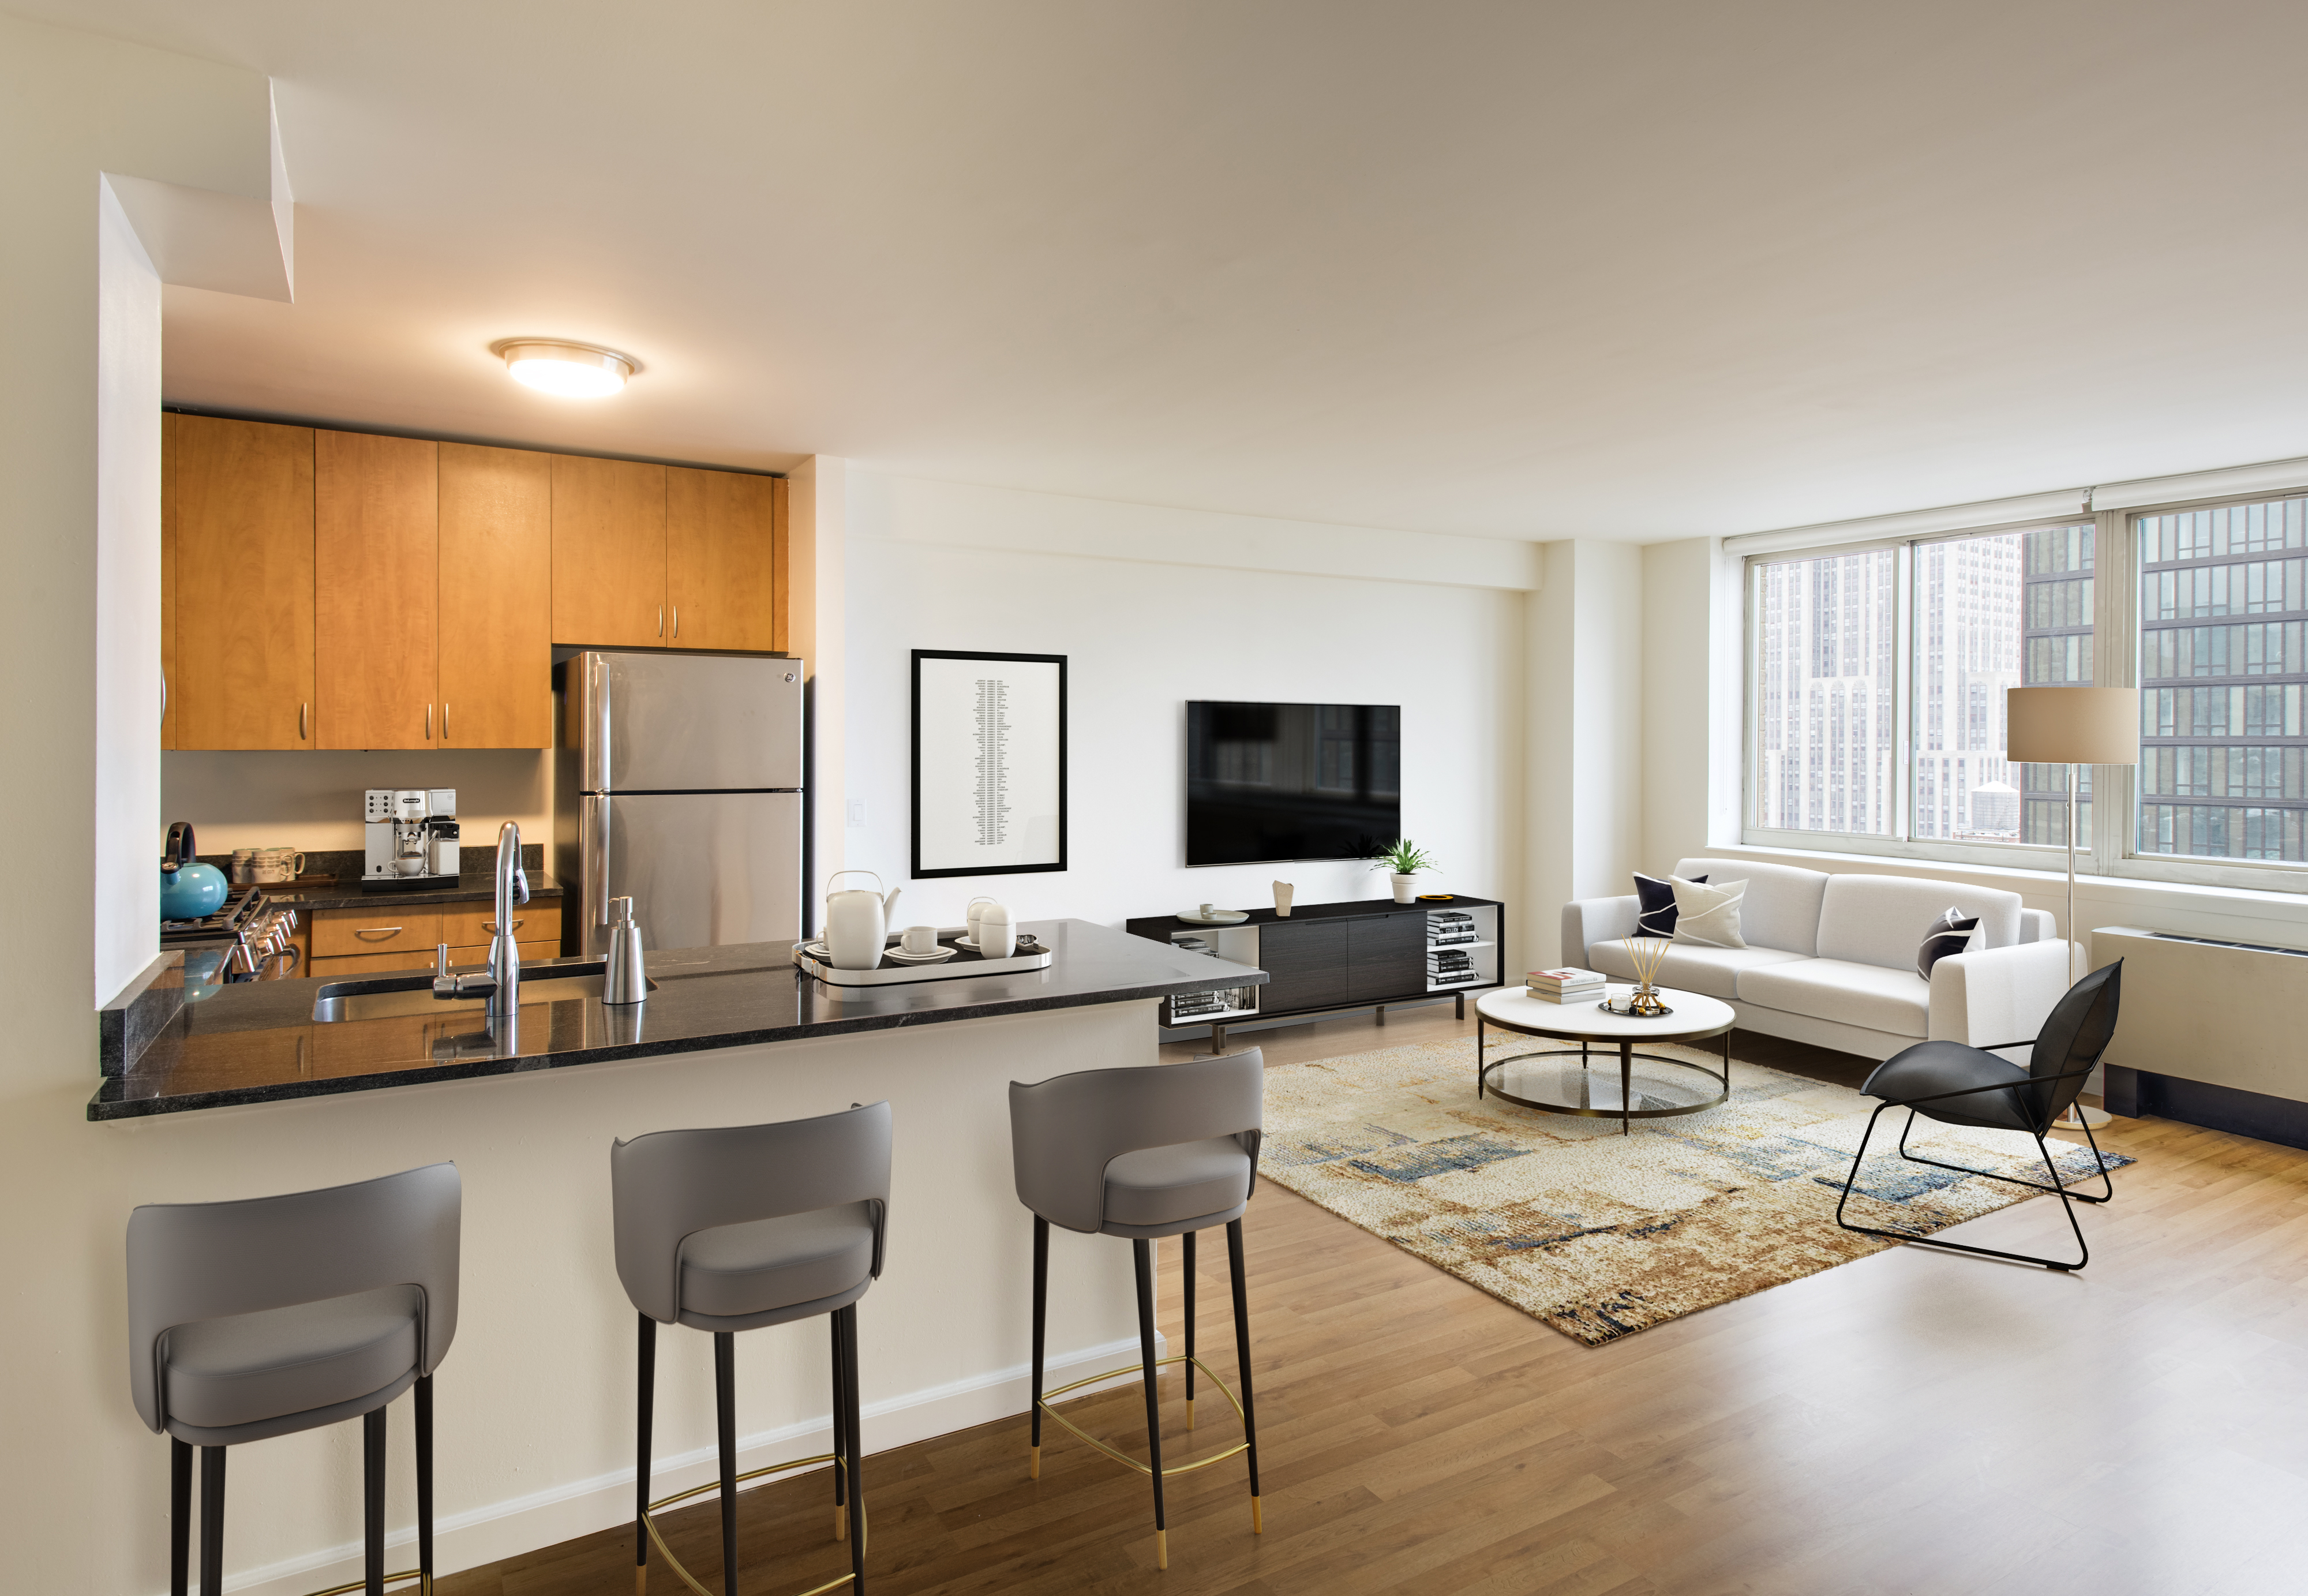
{"x":571,"y":370}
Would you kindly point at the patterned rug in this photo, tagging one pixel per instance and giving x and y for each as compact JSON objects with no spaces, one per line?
{"x":1601,"y":1235}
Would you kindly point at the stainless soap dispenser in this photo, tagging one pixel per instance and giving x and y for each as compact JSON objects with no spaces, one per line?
{"x":626,"y":980}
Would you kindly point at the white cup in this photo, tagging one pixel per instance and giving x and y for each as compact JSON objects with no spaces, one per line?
{"x":919,"y":939}
{"x":1208,"y":912}
{"x":997,"y":939}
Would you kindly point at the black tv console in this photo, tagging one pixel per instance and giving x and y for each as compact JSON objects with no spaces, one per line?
{"x":1325,"y":958}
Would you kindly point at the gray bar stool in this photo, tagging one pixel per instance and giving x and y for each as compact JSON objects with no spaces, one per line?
{"x":270,"y":1316}
{"x":740,"y":1228}
{"x":1167,"y":1149}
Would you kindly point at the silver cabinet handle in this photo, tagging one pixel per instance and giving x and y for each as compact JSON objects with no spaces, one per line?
{"x":660,"y":620}
{"x":428,"y":722}
{"x":677,"y":620}
{"x":367,"y":932}
{"x":301,"y":711}
{"x":445,"y":719}
{"x":491,"y":925}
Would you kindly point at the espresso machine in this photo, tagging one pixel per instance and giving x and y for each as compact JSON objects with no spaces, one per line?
{"x":411,"y":839}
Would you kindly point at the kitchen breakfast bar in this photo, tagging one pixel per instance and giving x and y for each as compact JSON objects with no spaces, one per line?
{"x":240,"y":1091}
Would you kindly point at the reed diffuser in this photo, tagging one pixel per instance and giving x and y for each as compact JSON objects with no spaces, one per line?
{"x":1646,"y":953}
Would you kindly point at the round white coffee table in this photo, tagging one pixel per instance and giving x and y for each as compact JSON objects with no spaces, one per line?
{"x":1568,"y":1087}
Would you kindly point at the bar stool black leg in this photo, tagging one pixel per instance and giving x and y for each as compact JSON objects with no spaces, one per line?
{"x":1188,"y":1263}
{"x":180,"y":1517}
{"x":645,"y":1420}
{"x":212,"y":1520}
{"x":1241,"y":1368}
{"x":1142,"y":1251}
{"x":424,"y":1485}
{"x":373,"y":1501}
{"x":848,"y":1319}
{"x":725,"y":1404}
{"x":840,"y":1424}
{"x":1041,"y":1307}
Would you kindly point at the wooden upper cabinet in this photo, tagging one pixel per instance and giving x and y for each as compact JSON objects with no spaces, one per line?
{"x":497,"y":578}
{"x":608,"y":553}
{"x":377,"y":596}
{"x":167,"y":579}
{"x":722,"y":542}
{"x":242,"y":588}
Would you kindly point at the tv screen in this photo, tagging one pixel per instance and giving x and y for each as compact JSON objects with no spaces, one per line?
{"x":1284,"y":782}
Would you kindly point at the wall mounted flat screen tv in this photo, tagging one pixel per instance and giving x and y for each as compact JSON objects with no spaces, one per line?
{"x":1279,"y":782}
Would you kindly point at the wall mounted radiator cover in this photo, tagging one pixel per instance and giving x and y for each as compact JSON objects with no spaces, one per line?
{"x":2227,"y":1013}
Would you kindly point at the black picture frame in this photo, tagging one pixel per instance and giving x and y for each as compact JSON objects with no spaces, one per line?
{"x":926,"y":869}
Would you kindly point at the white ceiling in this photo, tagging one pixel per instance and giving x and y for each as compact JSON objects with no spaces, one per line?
{"x":1635,"y":271}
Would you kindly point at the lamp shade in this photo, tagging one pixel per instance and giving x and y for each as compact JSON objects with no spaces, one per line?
{"x":2073,"y":725}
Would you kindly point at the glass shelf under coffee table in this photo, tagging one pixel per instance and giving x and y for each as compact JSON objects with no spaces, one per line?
{"x":1568,"y":1081}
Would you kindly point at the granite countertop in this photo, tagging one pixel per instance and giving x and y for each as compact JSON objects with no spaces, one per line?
{"x":258,"y":1042}
{"x":309,"y":894}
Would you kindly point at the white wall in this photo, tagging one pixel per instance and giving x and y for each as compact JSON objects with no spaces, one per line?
{"x":1144,"y":630}
{"x":1584,"y":749}
{"x":127,"y":634}
{"x":311,"y":798}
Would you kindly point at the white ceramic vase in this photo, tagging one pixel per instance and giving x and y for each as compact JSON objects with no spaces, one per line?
{"x":1406,"y":886}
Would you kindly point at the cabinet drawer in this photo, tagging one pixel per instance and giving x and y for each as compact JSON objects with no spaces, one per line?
{"x":1386,"y":957}
{"x":461,"y":958}
{"x":465,"y":923}
{"x":1306,"y":965}
{"x":341,"y":932}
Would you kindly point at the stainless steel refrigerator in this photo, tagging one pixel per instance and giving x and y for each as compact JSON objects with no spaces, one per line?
{"x":678,"y":784}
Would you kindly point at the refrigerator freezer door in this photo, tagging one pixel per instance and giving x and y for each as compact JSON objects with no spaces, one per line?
{"x":702,"y":869}
{"x":654,"y":723}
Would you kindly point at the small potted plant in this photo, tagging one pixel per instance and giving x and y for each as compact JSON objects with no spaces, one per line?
{"x":1406,"y":860}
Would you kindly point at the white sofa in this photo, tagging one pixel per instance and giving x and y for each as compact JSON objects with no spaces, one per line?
{"x":1831,"y":960}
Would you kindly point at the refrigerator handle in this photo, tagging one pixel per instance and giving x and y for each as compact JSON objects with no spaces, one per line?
{"x":594,"y":840}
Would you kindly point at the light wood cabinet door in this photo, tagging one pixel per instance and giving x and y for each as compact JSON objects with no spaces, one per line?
{"x":242,"y":586}
{"x":608,"y":553}
{"x":343,"y":933}
{"x":376,"y":586}
{"x":469,"y":925}
{"x":167,"y":579}
{"x":720,"y":560}
{"x":497,"y":576}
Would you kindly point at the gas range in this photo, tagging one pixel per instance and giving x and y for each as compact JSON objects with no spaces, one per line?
{"x":247,"y":940}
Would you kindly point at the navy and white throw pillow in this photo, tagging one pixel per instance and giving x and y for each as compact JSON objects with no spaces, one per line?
{"x":1655,"y":905}
{"x":1949,"y":934}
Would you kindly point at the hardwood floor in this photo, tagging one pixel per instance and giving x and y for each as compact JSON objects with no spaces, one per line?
{"x":1914,"y":1422}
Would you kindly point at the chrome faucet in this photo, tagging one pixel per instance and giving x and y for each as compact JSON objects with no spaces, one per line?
{"x":504,"y":953}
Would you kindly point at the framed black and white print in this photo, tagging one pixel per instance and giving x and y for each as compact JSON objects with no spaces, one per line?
{"x":989,"y":763}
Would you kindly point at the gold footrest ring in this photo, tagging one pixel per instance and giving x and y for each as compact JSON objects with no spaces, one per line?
{"x":390,"y":1579}
{"x":641,"y":1571}
{"x":1225,"y":1389}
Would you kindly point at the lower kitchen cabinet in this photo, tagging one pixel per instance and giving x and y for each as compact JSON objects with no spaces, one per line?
{"x":371,"y":964}
{"x":356,"y":941}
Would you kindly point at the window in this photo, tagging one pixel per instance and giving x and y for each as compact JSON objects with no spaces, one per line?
{"x":2223,"y":594}
{"x":1877,"y":679}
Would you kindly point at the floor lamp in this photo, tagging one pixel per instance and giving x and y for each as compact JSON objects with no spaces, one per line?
{"x":2072,"y":726}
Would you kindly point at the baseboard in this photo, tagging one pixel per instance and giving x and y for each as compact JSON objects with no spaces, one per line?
{"x":2132,"y":1093}
{"x":544,"y":1518}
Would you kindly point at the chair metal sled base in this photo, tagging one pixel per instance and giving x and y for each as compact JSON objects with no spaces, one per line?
{"x":840,"y":1525}
{"x":2067,"y":1199}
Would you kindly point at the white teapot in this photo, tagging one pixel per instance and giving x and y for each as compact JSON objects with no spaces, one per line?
{"x":857,"y":923}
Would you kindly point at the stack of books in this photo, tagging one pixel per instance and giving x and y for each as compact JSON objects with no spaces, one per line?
{"x":1185,"y":1006}
{"x":1450,"y":967}
{"x":1447,"y":926}
{"x":1565,"y":986}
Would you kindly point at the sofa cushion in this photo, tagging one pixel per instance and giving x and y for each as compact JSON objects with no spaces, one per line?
{"x":1709,"y":916}
{"x":1869,"y":996}
{"x":1879,"y":919}
{"x":1714,"y":970}
{"x":1951,"y":933}
{"x":1781,"y":910}
{"x":1655,"y":905}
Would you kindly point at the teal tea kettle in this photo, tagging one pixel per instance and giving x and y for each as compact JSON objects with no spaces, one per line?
{"x":189,"y":890}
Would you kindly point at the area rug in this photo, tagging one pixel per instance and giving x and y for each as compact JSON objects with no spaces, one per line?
{"x":1601,"y":1235}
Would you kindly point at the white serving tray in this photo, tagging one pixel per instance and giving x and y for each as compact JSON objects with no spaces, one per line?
{"x":892,"y":973}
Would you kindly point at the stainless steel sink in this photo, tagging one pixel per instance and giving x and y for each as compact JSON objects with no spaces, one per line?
{"x":398,"y":996}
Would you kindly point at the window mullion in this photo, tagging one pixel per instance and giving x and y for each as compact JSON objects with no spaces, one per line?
{"x":1903,"y":692}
